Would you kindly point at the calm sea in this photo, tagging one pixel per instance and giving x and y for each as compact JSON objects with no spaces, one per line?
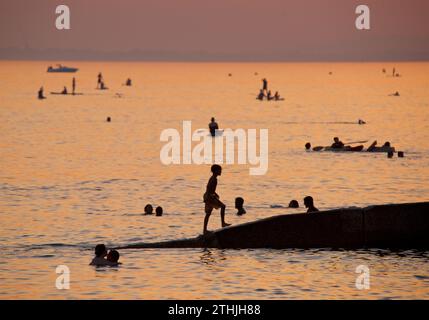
{"x":70,"y":180}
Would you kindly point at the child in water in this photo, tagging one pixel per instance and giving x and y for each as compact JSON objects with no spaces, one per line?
{"x":239,"y":202}
{"x":113,"y":257}
{"x":211,"y":198}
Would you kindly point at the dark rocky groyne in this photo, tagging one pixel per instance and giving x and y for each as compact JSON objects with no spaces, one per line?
{"x":381,"y":226}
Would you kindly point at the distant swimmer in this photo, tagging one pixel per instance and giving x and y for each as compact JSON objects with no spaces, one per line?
{"x":264,"y":85}
{"x":338,"y":144}
{"x":128,"y":83}
{"x":309,"y":203}
{"x":261,"y":95}
{"x":99,"y":80}
{"x":396,"y":94}
{"x":74,"y":85}
{"x":269,"y":96}
{"x":40,"y":95}
{"x":293,"y":204}
{"x":213,"y":126}
{"x":361,"y":121}
{"x":277,"y":96}
{"x":308,"y":146}
{"x":100,"y":257}
{"x":159,"y":211}
{"x":384,"y":70}
{"x":113,"y":257}
{"x":239,"y":203}
{"x":64,"y":90}
{"x":148,"y":209}
{"x":211,"y":198}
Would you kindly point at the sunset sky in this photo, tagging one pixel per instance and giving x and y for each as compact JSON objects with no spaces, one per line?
{"x":268,"y":30}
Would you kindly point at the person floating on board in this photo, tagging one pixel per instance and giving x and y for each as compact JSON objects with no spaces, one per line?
{"x":40,"y":95}
{"x":239,"y":202}
{"x":100,"y":80}
{"x":213,"y":126}
{"x":309,"y":203}
{"x":338,"y":144}
{"x":64,"y":90}
{"x":211,"y":198}
{"x":74,"y":85}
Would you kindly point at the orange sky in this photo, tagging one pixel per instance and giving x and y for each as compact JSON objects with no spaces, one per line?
{"x":216,"y":30}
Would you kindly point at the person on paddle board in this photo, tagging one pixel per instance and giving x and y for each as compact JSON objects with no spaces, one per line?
{"x":211,"y":198}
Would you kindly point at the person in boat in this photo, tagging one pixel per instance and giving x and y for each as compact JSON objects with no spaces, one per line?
{"x":277,"y":96}
{"x":309,"y":203}
{"x":128,"y":83}
{"x":64,"y":90}
{"x":74,"y":85}
{"x":211,"y":198}
{"x":213,"y":126}
{"x":148,"y":209}
{"x":40,"y":94}
{"x":293,"y":204}
{"x":338,"y":144}
{"x":269,"y":96}
{"x":159,"y":211}
{"x":100,"y":80}
{"x":261,"y":95}
{"x":239,"y":202}
{"x":264,"y":85}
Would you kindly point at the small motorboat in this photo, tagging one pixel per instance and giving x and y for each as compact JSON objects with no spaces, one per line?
{"x":61,"y":68}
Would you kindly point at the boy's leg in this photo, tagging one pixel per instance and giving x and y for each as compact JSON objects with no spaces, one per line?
{"x":222,"y":216}
{"x":206,"y":222}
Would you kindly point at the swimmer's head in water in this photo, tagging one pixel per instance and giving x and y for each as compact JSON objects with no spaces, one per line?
{"x":216,"y":169}
{"x":100,"y":250}
{"x":113,"y":256}
{"x":148,"y":209}
{"x":308,"y":146}
{"x":308,"y":201}
{"x":159,"y":211}
{"x":239,"y":202}
{"x":336,"y":139}
{"x":293,"y":204}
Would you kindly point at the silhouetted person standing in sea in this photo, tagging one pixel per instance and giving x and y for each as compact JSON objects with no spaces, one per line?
{"x":40,"y":95}
{"x":100,"y":80}
{"x":74,"y":85}
{"x":309,"y":203}
{"x":264,"y":85}
{"x":213,"y":126}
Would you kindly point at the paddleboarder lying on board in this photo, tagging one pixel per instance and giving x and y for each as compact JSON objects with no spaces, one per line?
{"x":211,"y":198}
{"x":309,"y":203}
{"x":338,"y":144}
